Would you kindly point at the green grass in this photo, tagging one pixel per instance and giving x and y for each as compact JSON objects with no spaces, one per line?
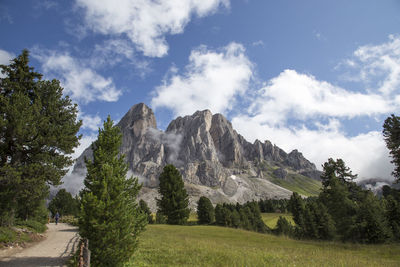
{"x":166,"y":245}
{"x":298,"y":183}
{"x":270,"y":219}
{"x":9,"y":235}
{"x":32,"y":225}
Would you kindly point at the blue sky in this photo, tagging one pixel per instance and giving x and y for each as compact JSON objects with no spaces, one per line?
{"x":318,"y":76}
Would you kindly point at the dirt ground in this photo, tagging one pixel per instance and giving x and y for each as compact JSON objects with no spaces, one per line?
{"x":61,"y":241}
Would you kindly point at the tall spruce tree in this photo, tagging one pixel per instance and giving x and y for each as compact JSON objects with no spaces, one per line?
{"x":64,"y":204}
{"x":174,"y":199}
{"x":205,"y":211}
{"x":110,"y":217}
{"x":38,"y":127}
{"x":391,"y":134}
{"x":144,"y":208}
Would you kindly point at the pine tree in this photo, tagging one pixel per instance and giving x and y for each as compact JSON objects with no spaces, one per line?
{"x":38,"y":130}
{"x":174,"y":199}
{"x":64,"y":204}
{"x":371,"y":225}
{"x":296,"y":207}
{"x":393,"y":215}
{"x":283,"y":227}
{"x":391,"y":134}
{"x":221,"y":214}
{"x":146,"y":210}
{"x":110,"y":217}
{"x":336,"y":169}
{"x":205,"y":211}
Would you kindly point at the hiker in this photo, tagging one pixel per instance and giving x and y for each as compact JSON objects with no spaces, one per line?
{"x":56,"y":217}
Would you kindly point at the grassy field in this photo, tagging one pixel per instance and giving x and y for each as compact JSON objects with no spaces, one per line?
{"x":299,"y":183}
{"x":167,"y":245}
{"x":270,"y":219}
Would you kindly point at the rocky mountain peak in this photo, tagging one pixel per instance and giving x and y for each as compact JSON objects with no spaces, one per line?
{"x":210,"y":154}
{"x":138,"y":119}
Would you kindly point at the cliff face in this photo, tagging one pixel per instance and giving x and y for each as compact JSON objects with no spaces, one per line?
{"x":213,"y":158}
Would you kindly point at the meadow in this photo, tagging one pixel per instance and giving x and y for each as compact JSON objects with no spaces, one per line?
{"x":170,"y":245}
{"x":270,"y":219}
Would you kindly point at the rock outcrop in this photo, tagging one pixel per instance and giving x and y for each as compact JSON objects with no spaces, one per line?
{"x":213,"y":158}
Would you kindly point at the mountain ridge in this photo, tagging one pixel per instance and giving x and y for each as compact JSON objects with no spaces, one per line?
{"x":213,"y":158}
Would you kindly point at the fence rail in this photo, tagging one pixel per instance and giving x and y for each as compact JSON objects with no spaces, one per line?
{"x":84,"y":254}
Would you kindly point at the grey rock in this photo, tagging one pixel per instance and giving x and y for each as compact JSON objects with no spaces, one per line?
{"x":280,"y":173}
{"x":213,"y":158}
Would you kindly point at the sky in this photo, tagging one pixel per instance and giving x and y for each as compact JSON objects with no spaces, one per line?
{"x":317,"y":76}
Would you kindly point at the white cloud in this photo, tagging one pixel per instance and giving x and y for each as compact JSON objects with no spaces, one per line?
{"x":380,"y":62}
{"x":302,"y":96}
{"x":145,"y":22}
{"x":82,"y":83}
{"x":115,"y":51}
{"x":258,"y":43}
{"x":90,"y":122}
{"x":212,"y":80}
{"x":5,"y":57}
{"x":293,"y":97}
{"x":365,"y":153}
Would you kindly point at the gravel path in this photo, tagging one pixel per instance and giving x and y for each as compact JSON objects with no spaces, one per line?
{"x":61,"y":241}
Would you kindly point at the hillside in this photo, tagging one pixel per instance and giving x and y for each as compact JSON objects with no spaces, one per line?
{"x":167,"y":245}
{"x":215,"y":161}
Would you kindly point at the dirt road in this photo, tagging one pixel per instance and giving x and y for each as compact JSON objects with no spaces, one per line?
{"x":61,"y":241}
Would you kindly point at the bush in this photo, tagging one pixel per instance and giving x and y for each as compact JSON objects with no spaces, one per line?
{"x":32,"y":225}
{"x":146,"y":210}
{"x":160,"y":218}
{"x":7,"y":235}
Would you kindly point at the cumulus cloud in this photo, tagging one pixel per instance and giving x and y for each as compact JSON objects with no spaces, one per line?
{"x":318,"y":107}
{"x":378,"y":63}
{"x":90,"y":122}
{"x":212,"y":80}
{"x":292,"y":94}
{"x":365,"y":153}
{"x":145,"y":22}
{"x":5,"y":57}
{"x":116,"y":51}
{"x":81,"y":82}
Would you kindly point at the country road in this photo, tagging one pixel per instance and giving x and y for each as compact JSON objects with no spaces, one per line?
{"x":61,"y":241}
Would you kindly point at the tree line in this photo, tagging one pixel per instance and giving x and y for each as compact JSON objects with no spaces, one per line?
{"x":344,"y":211}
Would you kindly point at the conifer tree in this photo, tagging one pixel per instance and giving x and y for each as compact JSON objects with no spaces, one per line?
{"x":38,"y":128}
{"x":371,"y":225}
{"x":64,"y":204}
{"x":174,"y":199}
{"x":110,"y":217}
{"x":391,"y":134}
{"x":283,"y":227}
{"x":205,"y":211}
{"x":146,"y":210}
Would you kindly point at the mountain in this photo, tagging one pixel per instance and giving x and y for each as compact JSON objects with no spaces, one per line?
{"x":213,"y":158}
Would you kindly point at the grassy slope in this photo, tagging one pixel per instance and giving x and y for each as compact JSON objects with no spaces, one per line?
{"x":270,"y":219}
{"x":293,"y":182}
{"x":167,"y":245}
{"x":299,"y":183}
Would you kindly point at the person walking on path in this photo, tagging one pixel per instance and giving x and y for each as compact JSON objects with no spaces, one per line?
{"x":56,"y":217}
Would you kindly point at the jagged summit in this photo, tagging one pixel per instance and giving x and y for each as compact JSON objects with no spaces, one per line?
{"x":213,"y":158}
